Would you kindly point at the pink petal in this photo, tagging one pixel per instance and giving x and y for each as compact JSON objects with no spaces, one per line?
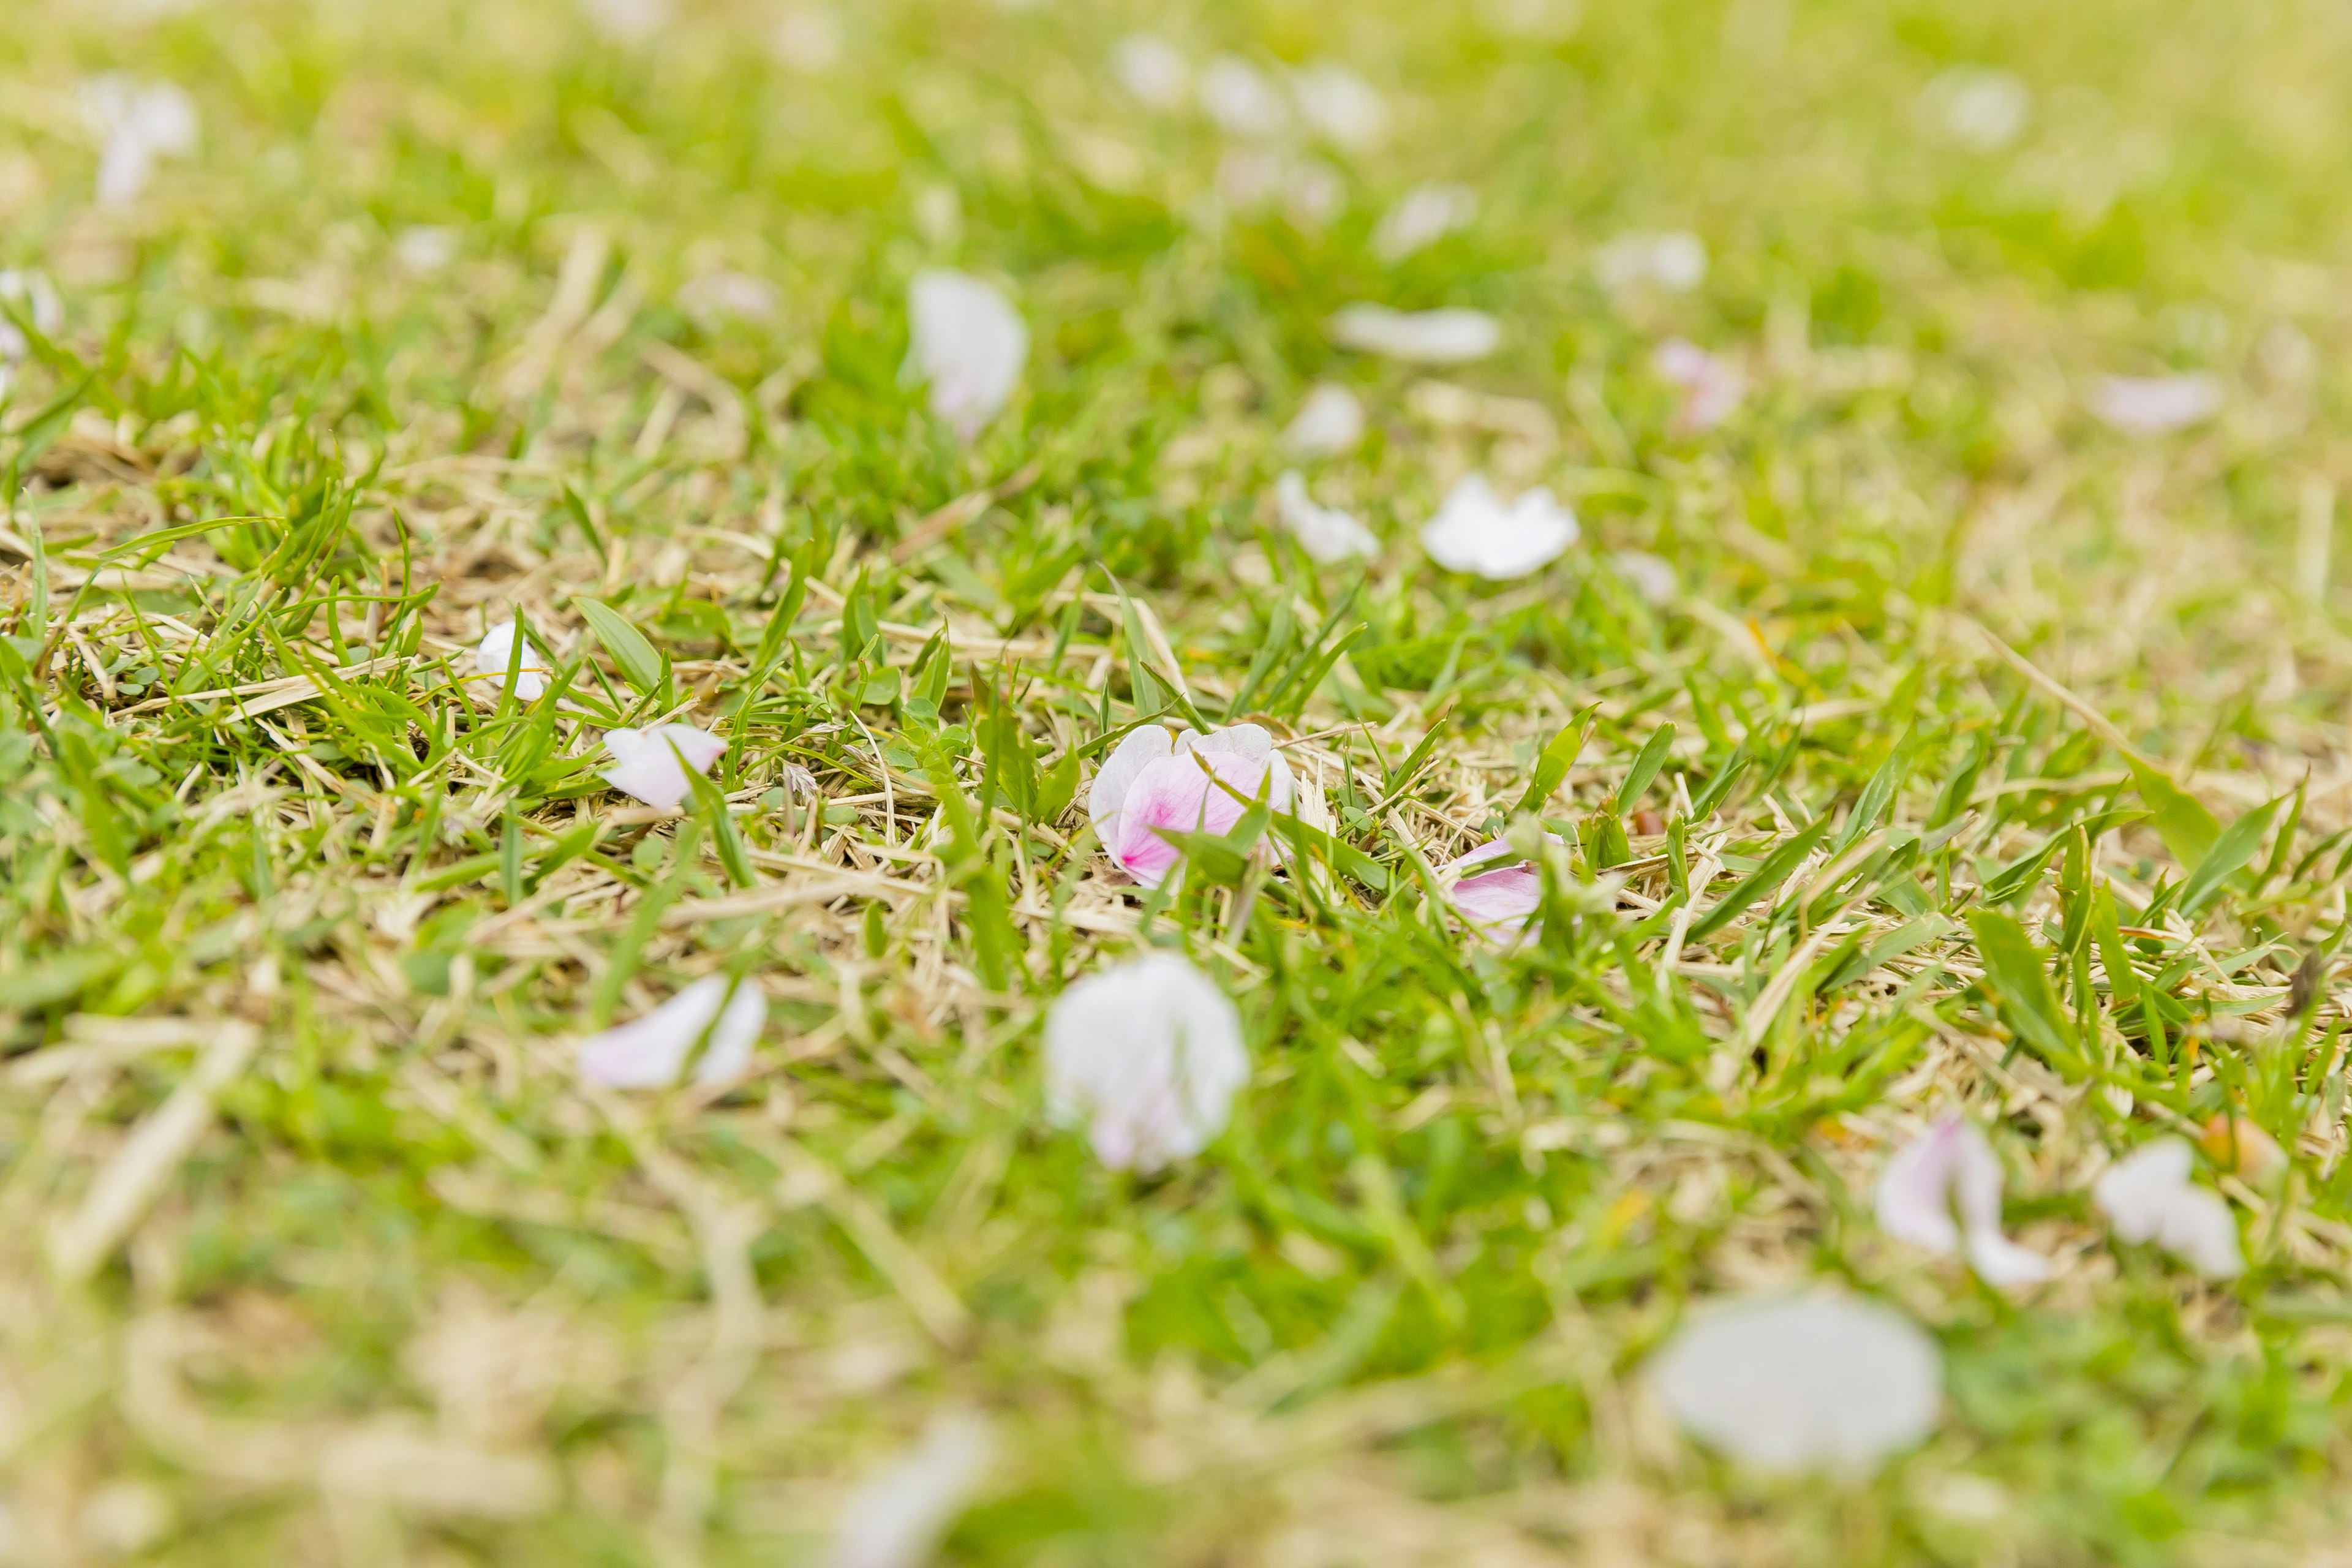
{"x":1150,"y":1054}
{"x":1117,"y":774}
{"x":1193,"y":792}
{"x":1914,"y":1195}
{"x":651,"y":1051}
{"x":646,"y":761}
{"x":1500,"y":903}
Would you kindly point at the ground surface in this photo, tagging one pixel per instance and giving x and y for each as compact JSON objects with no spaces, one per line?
{"x":415,"y":1295}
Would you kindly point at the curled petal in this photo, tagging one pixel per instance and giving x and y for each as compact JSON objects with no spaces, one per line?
{"x":1476,"y":531}
{"x":650,"y":1052}
{"x":1106,"y":800}
{"x":1149,"y":1054}
{"x":969,"y":342}
{"x":496,"y":650}
{"x":646,"y":761}
{"x":1417,"y":337}
{"x":1812,"y":1382}
{"x":1326,"y":534}
{"x":1500,"y":903}
{"x":1951,"y":1166}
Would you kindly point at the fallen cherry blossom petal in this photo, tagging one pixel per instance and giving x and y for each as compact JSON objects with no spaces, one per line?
{"x":1980,"y":107}
{"x":1421,"y":218}
{"x":140,"y":121}
{"x":1326,"y":534}
{"x":424,"y":248}
{"x":2155,"y":405}
{"x":646,"y":761}
{"x":627,"y":21}
{"x":1329,"y":424}
{"x":1204,"y":786}
{"x":2148,"y":1196}
{"x":1712,"y":387}
{"x":1339,"y":106}
{"x":1149,"y":1054}
{"x":651,"y":1052}
{"x":1417,"y":337}
{"x":1652,"y":576}
{"x":1154,"y":71}
{"x":496,"y":651}
{"x":1952,"y":1165}
{"x":1674,"y":260}
{"x":1497,"y":903}
{"x":969,"y":342}
{"x":898,"y":1517}
{"x":1241,"y":100}
{"x":1818,"y":1380}
{"x":1476,"y":531}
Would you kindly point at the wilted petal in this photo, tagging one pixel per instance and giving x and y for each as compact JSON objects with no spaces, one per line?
{"x":1338,"y":105}
{"x":968,"y":342}
{"x":2156,"y":404}
{"x":1107,"y":799}
{"x":1240,"y":99}
{"x":651,"y":1051}
{"x":1205,"y":787}
{"x":1818,"y":1380}
{"x":1712,"y":387}
{"x":496,"y":651}
{"x":1329,"y":424}
{"x":646,"y":761}
{"x":898,"y":1517}
{"x":1674,"y":262}
{"x":2148,"y":1196}
{"x":1417,"y":337}
{"x":1425,"y":214}
{"x":2236,"y":1144}
{"x":1474,"y":530}
{"x":1149,"y":1054}
{"x":1951,"y":1166}
{"x":1981,"y":108}
{"x":1154,"y":71}
{"x":1326,"y":534}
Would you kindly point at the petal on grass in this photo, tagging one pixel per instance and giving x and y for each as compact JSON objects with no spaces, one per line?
{"x":139,"y":123}
{"x":1329,"y":424}
{"x":1820,"y":1380}
{"x":2155,"y":405}
{"x":496,"y":650}
{"x":968,"y":342}
{"x":1242,"y":100}
{"x":652,"y":1051}
{"x":1107,"y":798}
{"x":1417,"y":337}
{"x":1147,"y":1053}
{"x":1674,"y":261}
{"x":1498,"y":903}
{"x":1201,"y":788}
{"x":646,"y":761}
{"x":1713,"y":387}
{"x":1423,"y":216}
{"x":1326,"y":534}
{"x":1476,"y":531}
{"x":1154,"y":71}
{"x":898,"y":1517}
{"x":2146,"y":1195}
{"x":1339,"y":106}
{"x":1951,"y":1166}
{"x":1981,"y":107}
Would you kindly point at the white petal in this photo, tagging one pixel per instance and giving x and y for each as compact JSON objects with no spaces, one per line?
{"x":1154,"y":71}
{"x":1474,"y":530}
{"x":2154,"y":405}
{"x":969,"y":342}
{"x":30,"y":291}
{"x":1653,"y":576}
{"x":1976,"y":1191}
{"x":1913,"y":1195}
{"x":1981,"y":108}
{"x":497,"y":647}
{"x":898,"y":1517}
{"x":426,"y":248}
{"x":1329,"y":424}
{"x":651,"y":1051}
{"x":1240,"y":100}
{"x":1417,"y":337}
{"x":1674,"y":262}
{"x":1149,"y":1054}
{"x":1425,"y":214}
{"x":1338,"y":105}
{"x":646,"y":761}
{"x":1818,"y":1380}
{"x":2148,"y":1196}
{"x":1326,"y":534}
{"x":1117,"y":774}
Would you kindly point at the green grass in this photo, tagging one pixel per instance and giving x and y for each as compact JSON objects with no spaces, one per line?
{"x":416,"y":1296}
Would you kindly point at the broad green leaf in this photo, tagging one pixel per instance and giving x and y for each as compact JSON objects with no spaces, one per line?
{"x":641,"y":667}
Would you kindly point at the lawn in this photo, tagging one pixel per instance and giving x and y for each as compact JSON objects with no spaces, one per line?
{"x":1839,"y":498}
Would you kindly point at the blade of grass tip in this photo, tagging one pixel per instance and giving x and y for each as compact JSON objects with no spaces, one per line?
{"x":1759,"y":883}
{"x":1646,"y":763}
{"x":1553,"y":764}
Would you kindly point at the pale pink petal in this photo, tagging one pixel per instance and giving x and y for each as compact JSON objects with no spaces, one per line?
{"x":2154,"y":405}
{"x":1188,"y":793}
{"x":1143,"y":745}
{"x":646,"y":761}
{"x":969,"y":342}
{"x":1501,"y":902}
{"x":1417,"y":337}
{"x":1949,"y":1165}
{"x":1326,"y":534}
{"x":1329,"y":424}
{"x":1713,"y":388}
{"x":1153,"y":71}
{"x":1476,"y":531}
{"x":2148,"y":1196}
{"x":1425,"y":214}
{"x":496,"y":649}
{"x":650,"y":1052}
{"x":1149,"y":1054}
{"x":1820,"y":1380}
